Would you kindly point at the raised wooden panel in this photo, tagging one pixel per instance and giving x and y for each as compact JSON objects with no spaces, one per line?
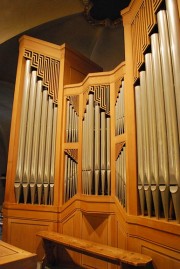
{"x":162,"y":256}
{"x":76,"y":75}
{"x":121,"y":236}
{"x":68,"y":226}
{"x":23,"y":234}
{"x":95,"y":229}
{"x":161,"y":259}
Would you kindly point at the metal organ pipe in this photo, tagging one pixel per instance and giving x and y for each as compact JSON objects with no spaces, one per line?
{"x":53,"y":151}
{"x":42,"y":145}
{"x":29,"y":136}
{"x":174,"y":34}
{"x":97,"y":147}
{"x":47,"y":165}
{"x":35,"y":148}
{"x":140,"y":147}
{"x":154,"y":176}
{"x":108,"y":139}
{"x":22,"y":135}
{"x":103,"y":151}
{"x":91,"y":142}
{"x":145,"y":136}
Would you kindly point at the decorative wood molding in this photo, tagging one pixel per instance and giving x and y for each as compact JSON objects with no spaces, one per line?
{"x":73,"y":153}
{"x":48,"y":69}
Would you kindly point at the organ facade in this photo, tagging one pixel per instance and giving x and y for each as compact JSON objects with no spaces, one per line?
{"x":93,"y":154}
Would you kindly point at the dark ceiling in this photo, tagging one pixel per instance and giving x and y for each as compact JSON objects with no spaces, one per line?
{"x":107,"y":9}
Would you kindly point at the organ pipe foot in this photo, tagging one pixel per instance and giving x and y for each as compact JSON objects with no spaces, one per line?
{"x":39,"y":191}
{"x":96,"y":182}
{"x":148,"y":195}
{"x":17,"y":187}
{"x":46,"y":193}
{"x":83,"y":182}
{"x":103,"y":176}
{"x":25,"y":192}
{"x":164,"y":190}
{"x":175,"y":192}
{"x":33,"y":192}
{"x":155,"y":195}
{"x":51,"y":192}
{"x":90,"y":177}
{"x":142,"y":198}
{"x":108,"y":182}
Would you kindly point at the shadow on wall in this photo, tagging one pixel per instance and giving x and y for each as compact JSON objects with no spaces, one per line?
{"x":6,"y":100}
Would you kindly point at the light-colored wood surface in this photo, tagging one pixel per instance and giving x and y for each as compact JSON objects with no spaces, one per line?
{"x":102,"y":251}
{"x":15,"y":258}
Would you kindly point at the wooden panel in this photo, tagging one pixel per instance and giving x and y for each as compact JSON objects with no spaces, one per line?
{"x":162,"y":256}
{"x":23,"y":235}
{"x":161,"y":259}
{"x":76,"y":75}
{"x":121,"y":236}
{"x":95,"y":229}
{"x":69,"y":226}
{"x":12,"y":258}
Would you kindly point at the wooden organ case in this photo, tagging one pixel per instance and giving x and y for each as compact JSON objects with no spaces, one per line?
{"x":99,"y":159}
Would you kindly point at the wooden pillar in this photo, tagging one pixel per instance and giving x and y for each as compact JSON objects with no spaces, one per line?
{"x":130,"y":128}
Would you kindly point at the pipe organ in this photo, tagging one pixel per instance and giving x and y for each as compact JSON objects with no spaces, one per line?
{"x":70,"y":174}
{"x":100,"y":151}
{"x":36,"y":150}
{"x":96,"y":142}
{"x":121,"y":173}
{"x":71,"y":120}
{"x":119,"y":110}
{"x":158,"y":142}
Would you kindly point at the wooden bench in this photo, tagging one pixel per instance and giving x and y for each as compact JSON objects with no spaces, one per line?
{"x":126,"y":259}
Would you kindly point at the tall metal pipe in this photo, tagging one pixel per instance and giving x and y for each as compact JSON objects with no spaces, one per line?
{"x":47,"y":164}
{"x":162,"y":146}
{"x":29,"y":136}
{"x":152,"y":132}
{"x":97,"y":147}
{"x":53,"y":152}
{"x":67,"y":120}
{"x":140,"y":152}
{"x":174,"y":34}
{"x":22,"y":134}
{"x":42,"y":145}
{"x":36,"y":137}
{"x":103,"y":150}
{"x":108,"y":158}
{"x":146,"y":145}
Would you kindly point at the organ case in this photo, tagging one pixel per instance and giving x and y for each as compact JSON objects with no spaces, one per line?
{"x":117,"y":167}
